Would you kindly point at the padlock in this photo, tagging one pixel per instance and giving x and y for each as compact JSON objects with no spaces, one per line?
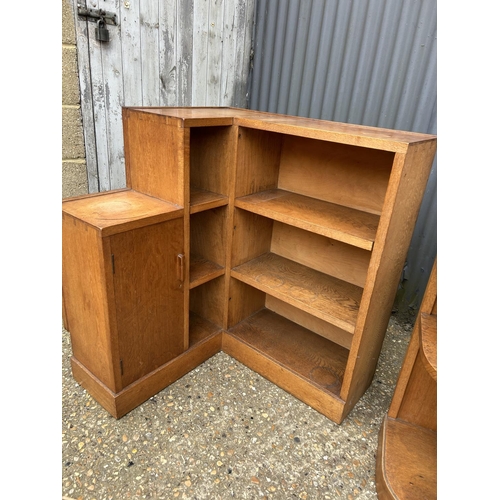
{"x":101,"y":32}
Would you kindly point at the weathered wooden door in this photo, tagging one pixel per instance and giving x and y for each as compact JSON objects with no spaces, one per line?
{"x":159,"y":53}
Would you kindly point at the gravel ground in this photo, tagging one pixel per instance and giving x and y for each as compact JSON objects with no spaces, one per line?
{"x":223,"y":431}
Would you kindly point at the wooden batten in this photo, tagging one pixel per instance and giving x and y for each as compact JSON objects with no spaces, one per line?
{"x":230,"y":224}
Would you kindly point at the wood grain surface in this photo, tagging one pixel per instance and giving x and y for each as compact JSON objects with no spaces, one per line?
{"x":327,"y":298}
{"x":316,"y":359}
{"x":344,"y":224}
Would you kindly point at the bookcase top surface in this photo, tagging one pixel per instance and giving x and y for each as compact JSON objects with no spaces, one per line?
{"x":117,"y":211}
{"x":360,"y":135}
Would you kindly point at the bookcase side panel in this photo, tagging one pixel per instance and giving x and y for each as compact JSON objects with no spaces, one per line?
{"x":404,"y":195}
{"x":86,"y":300}
{"x":154,"y":156}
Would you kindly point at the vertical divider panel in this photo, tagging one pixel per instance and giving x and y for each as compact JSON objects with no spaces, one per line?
{"x":404,"y":195}
{"x":186,"y":151}
{"x":154,"y":155}
{"x":231,"y":159}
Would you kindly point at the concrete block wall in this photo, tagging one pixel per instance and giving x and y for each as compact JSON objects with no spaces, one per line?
{"x":74,"y":167}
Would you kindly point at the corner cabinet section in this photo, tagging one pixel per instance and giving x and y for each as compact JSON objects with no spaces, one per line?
{"x":295,"y":231}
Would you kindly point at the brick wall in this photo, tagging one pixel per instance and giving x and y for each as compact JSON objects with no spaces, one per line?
{"x":74,"y":167}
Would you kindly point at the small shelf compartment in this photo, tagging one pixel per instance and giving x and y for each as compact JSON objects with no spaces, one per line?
{"x":344,"y":224}
{"x":301,"y":351}
{"x":209,"y":167}
{"x":203,"y":270}
{"x":200,"y":329}
{"x":205,"y":200}
{"x":323,"y":296}
{"x":207,"y":246}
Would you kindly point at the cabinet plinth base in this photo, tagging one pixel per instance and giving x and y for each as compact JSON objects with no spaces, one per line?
{"x":119,"y":404}
{"x":308,"y":392}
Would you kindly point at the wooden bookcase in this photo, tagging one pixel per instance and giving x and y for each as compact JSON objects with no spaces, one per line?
{"x":407,"y":449}
{"x":295,"y":233}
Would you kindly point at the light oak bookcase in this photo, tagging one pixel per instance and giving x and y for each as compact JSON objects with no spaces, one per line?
{"x":294,"y":232}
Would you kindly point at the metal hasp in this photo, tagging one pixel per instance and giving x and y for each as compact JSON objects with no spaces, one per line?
{"x":101,"y":17}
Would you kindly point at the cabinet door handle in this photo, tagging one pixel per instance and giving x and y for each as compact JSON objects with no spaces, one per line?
{"x":180,"y":267}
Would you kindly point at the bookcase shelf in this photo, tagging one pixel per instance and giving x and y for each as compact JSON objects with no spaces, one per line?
{"x":204,"y":200}
{"x":328,"y":219}
{"x":203,"y":270}
{"x":290,"y":234}
{"x":323,"y":296}
{"x":302,"y":352}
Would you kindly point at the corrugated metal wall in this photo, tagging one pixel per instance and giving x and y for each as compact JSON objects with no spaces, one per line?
{"x":369,"y":62}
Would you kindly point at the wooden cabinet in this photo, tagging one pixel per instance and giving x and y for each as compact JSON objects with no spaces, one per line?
{"x":123,"y":285}
{"x":407,"y":449}
{"x":295,"y":232}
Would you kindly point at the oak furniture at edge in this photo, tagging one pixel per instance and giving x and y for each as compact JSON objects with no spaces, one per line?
{"x":407,"y":448}
{"x":294,"y":236}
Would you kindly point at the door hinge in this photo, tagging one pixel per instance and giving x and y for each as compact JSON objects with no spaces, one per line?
{"x":121,"y":366}
{"x":113,"y":262}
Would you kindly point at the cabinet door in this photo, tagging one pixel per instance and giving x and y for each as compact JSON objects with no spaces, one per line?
{"x":149,"y":290}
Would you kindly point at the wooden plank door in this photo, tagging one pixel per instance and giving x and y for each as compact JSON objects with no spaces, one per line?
{"x":168,"y":53}
{"x":149,"y":296}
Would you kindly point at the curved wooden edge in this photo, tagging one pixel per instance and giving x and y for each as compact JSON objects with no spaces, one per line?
{"x":428,"y":343}
{"x":384,"y":490}
{"x":406,"y":461}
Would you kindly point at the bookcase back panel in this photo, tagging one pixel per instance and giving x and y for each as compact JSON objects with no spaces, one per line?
{"x":251,"y":236}
{"x":346,"y":175}
{"x":323,"y":254}
{"x":207,"y":300}
{"x":208,"y":235}
{"x":258,"y":161}
{"x":244,"y":300}
{"x":316,"y":325}
{"x":210,"y":158}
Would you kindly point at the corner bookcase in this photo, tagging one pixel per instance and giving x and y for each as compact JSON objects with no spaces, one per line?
{"x":294,"y":232}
